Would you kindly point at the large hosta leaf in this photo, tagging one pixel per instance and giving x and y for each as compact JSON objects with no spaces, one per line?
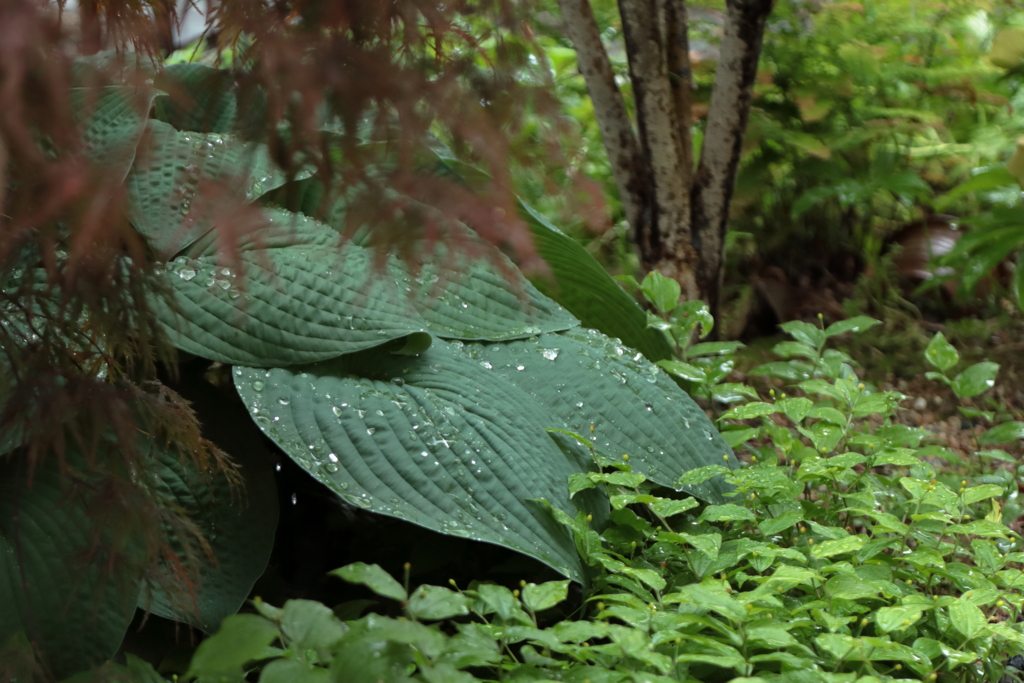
{"x":170,"y":168}
{"x":113,"y":120}
{"x":589,"y":292}
{"x":66,"y":599}
{"x":238,"y":521}
{"x":597,"y":387}
{"x":200,"y":98}
{"x":454,"y":439}
{"x":434,"y":439}
{"x":303,"y":298}
{"x":579,"y":282}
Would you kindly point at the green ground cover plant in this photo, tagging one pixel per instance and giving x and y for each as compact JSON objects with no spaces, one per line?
{"x":852,"y":551}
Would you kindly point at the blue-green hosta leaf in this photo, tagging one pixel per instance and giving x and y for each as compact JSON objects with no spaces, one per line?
{"x":74,"y":610}
{"x":113,"y":120}
{"x":303,"y":297}
{"x":169,"y":170}
{"x":593,"y":385}
{"x":200,"y":98}
{"x":435,"y":439}
{"x":590,"y":293}
{"x":239,"y":524}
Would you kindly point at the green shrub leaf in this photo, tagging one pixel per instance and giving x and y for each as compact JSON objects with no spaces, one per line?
{"x":540,"y":597}
{"x":941,"y":353}
{"x":663,"y":292}
{"x":374,"y":578}
{"x":809,"y":334}
{"x":856,"y":324}
{"x":241,"y":639}
{"x":975,"y":379}
{"x":1003,"y":433}
{"x":435,"y":602}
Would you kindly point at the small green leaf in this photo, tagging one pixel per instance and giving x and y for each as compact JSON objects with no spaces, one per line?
{"x":737,"y":436}
{"x":726,"y":513}
{"x":627,"y":479}
{"x":809,"y":334}
{"x":975,"y":379}
{"x":374,"y":578}
{"x":579,"y":481}
{"x":667,"y":508}
{"x":795,"y":409}
{"x":828,"y":415}
{"x":435,"y":602}
{"x":941,"y":353}
{"x":539,"y":597}
{"x":770,"y":527}
{"x":994,"y":455}
{"x":966,"y":618}
{"x":663,"y":292}
{"x":691,"y":314}
{"x":850,"y":544}
{"x":903,"y":457}
{"x":500,"y":600}
{"x":976,"y":493}
{"x":713,"y":349}
{"x":894,"y":618}
{"x":1003,"y":433}
{"x":750,"y":410}
{"x":709,"y":544}
{"x":683,"y":370}
{"x":242,"y":638}
{"x":292,"y":671}
{"x":789,"y":349}
{"x":700,"y":475}
{"x":855,"y":324}
{"x":820,"y":386}
{"x":310,"y":625}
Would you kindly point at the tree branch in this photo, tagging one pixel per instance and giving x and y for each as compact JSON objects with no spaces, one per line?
{"x":609,"y":107}
{"x":723,"y":137}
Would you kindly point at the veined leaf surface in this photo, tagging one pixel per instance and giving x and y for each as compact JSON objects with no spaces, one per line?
{"x":238,"y":521}
{"x":303,"y":297}
{"x":113,"y":120}
{"x":434,"y":439}
{"x":199,"y":98}
{"x":585,"y":380}
{"x":586,"y":289}
{"x":75,"y":611}
{"x":169,"y":170}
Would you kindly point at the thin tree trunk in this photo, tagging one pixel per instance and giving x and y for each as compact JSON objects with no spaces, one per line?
{"x":680,"y":75}
{"x":613,"y":120}
{"x":723,"y":139}
{"x":678,"y":214}
{"x":664,"y":240}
